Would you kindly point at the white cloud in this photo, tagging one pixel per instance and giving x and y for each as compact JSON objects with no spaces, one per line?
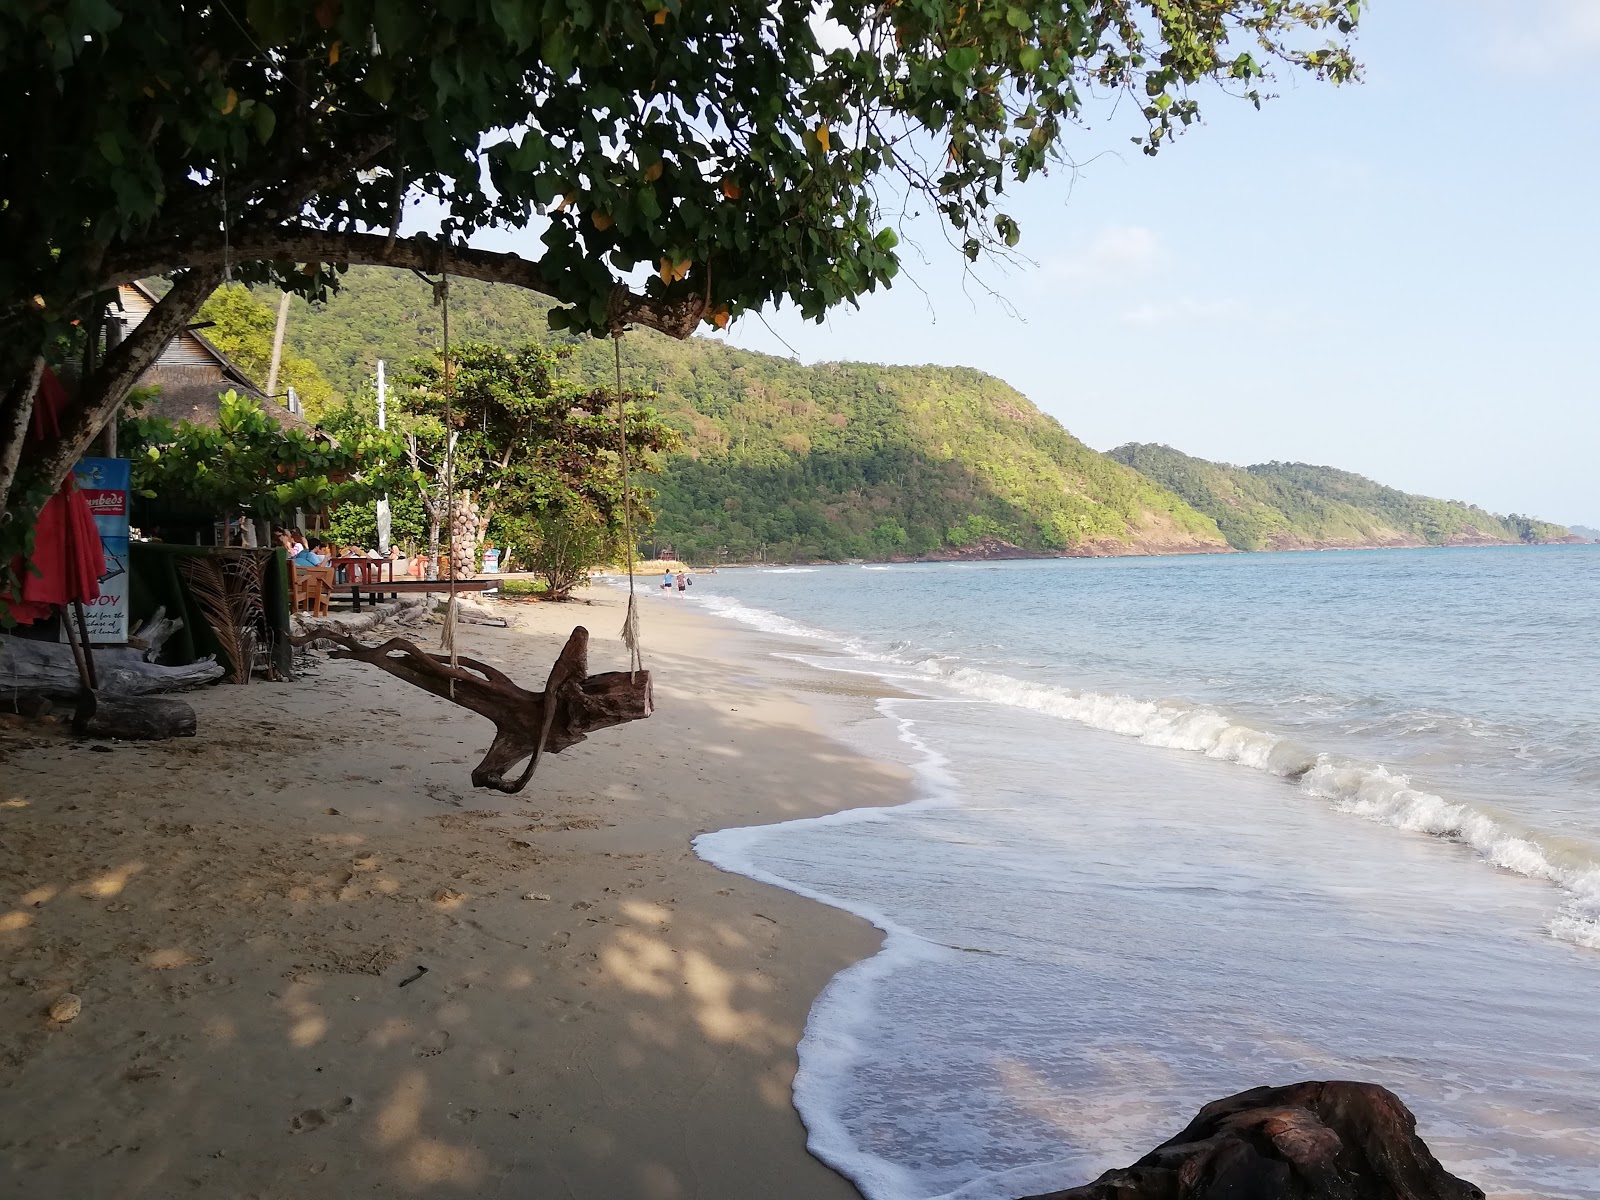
{"x":1115,"y":252}
{"x":1539,"y":34}
{"x":1184,"y":310}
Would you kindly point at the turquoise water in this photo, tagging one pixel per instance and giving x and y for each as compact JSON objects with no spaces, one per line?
{"x":1194,"y":824}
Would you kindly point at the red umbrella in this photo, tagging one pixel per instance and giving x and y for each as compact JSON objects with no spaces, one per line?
{"x":67,"y":553}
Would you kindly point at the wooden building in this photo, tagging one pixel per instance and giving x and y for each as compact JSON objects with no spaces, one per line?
{"x":191,"y":373}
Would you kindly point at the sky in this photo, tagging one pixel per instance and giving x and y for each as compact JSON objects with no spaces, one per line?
{"x":1397,"y":278}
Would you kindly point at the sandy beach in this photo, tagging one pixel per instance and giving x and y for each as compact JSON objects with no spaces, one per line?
{"x":245,"y":916}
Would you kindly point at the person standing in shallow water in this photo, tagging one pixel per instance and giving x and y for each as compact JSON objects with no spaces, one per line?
{"x":683,"y":580}
{"x":666,"y":579}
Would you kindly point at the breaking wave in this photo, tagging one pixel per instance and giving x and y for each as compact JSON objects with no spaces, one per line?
{"x":1366,"y":790}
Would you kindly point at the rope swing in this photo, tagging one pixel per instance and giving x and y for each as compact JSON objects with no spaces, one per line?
{"x":528,"y":724}
{"x":630,"y":623}
{"x":447,"y":639}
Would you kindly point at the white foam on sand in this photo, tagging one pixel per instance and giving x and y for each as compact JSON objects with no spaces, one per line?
{"x":830,"y":1043}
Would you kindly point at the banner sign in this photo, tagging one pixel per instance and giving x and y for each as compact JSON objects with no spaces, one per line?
{"x":104,"y":483}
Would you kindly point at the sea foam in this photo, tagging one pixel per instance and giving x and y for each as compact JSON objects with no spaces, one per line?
{"x":1367,"y":790}
{"x":831,"y":1040}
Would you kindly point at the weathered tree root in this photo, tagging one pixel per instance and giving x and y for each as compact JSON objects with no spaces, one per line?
{"x":527,"y":724}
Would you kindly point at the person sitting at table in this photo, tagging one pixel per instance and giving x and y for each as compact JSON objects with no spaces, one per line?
{"x":315,"y":555}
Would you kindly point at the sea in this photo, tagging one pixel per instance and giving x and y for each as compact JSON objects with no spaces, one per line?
{"x":1190,"y":825}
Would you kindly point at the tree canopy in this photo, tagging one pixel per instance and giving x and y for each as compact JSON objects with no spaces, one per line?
{"x":714,"y":151}
{"x":247,"y":465}
{"x":527,"y":441}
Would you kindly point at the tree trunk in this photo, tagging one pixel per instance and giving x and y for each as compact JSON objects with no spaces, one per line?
{"x":99,"y":397}
{"x":16,"y":410}
{"x":431,"y":569}
{"x":277,"y":345}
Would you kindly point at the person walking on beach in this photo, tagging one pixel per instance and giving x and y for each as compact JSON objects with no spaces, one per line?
{"x":683,"y":580}
{"x":666,"y":579}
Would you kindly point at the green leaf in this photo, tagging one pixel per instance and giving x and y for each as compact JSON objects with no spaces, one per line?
{"x":110,"y":147}
{"x":649,"y":206}
{"x":265,"y":122}
{"x":962,"y":59}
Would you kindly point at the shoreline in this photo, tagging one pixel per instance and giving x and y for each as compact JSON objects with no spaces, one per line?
{"x":1022,"y":554}
{"x":238,"y":911}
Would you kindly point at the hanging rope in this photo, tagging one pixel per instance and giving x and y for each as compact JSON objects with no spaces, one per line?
{"x":447,"y":641}
{"x":630,"y":623}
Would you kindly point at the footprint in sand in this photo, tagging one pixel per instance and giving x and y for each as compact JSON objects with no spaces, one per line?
{"x":434,"y":1044}
{"x":559,"y":942}
{"x":315,"y":1118}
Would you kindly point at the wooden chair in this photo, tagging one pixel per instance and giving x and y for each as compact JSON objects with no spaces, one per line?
{"x":310,"y":588}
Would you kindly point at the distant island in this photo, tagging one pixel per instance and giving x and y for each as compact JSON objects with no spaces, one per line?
{"x":785,"y":462}
{"x":1584,"y":531}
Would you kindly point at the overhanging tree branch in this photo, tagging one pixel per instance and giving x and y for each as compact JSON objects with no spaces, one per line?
{"x":677,"y":317}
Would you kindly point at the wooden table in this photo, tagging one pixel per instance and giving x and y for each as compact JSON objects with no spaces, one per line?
{"x":361,"y":569}
{"x":391,"y":587}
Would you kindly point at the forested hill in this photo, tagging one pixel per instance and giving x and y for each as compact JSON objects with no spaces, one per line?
{"x":1292,"y":506}
{"x":851,"y":460}
{"x":785,"y":461}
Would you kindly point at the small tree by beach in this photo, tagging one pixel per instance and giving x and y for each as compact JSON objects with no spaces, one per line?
{"x":524,"y":445}
{"x":566,"y":544}
{"x":248,"y":465}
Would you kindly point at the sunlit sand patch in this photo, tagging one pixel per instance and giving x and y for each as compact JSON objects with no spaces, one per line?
{"x":39,"y":895}
{"x":645,"y":913}
{"x":432,"y":1161}
{"x":12,"y":921}
{"x":338,"y":839}
{"x":712,"y":989}
{"x":112,"y":882}
{"x":640,"y":964}
{"x":307,"y":1026}
{"x":14,"y":802}
{"x":168,"y":959}
{"x":220,"y":1028}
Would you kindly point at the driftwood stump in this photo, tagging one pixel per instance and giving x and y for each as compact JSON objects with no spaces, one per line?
{"x":1307,"y":1141}
{"x":527,"y":724}
{"x":143,"y":719}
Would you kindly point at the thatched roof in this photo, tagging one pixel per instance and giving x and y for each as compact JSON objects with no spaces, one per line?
{"x":192,"y":374}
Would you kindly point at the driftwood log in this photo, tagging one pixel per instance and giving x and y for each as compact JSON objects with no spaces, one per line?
{"x":144,"y":719}
{"x":42,"y":668}
{"x":527,"y":724}
{"x":1307,"y":1141}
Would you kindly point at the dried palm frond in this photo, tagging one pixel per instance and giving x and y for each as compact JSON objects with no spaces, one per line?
{"x":227,"y":586}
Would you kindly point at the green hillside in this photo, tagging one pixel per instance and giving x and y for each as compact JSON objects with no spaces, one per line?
{"x":785,"y":461}
{"x":1283,"y":506}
